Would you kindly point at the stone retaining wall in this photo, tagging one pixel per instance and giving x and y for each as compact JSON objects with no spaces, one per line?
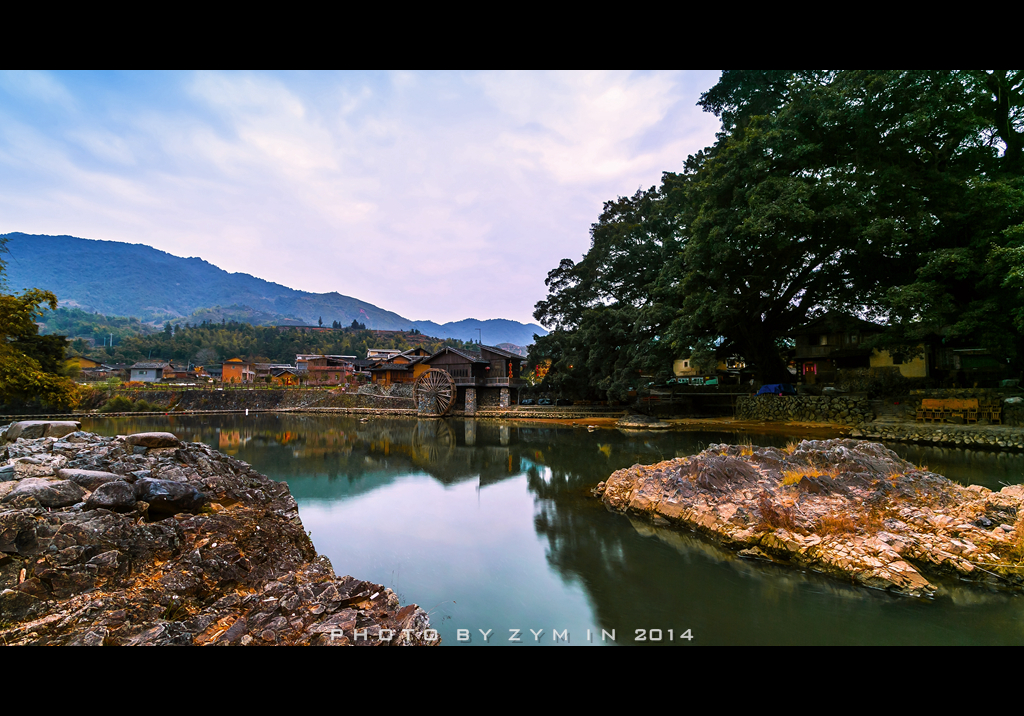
{"x":953,"y":435}
{"x":823,"y":409}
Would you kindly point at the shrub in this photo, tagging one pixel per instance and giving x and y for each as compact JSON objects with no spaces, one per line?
{"x":835,"y":524}
{"x":773,"y":515}
{"x":117,"y":404}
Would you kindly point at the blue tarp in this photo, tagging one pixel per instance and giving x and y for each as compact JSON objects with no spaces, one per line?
{"x":777,"y":389}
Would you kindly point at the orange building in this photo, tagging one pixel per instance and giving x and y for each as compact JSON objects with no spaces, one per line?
{"x":238,"y":372}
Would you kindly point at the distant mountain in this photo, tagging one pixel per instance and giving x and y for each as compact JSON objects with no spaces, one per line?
{"x":120,"y":279}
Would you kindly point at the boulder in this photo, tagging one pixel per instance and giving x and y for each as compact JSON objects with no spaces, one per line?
{"x":216,"y":556}
{"x":49,"y":493}
{"x":31,"y":429}
{"x":169,"y":497}
{"x":118,"y":496}
{"x":90,"y":479}
{"x":834,"y":506}
{"x":153,"y":440}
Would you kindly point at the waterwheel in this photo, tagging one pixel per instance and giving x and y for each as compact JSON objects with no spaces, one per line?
{"x":434,"y":393}
{"x":433,"y":442}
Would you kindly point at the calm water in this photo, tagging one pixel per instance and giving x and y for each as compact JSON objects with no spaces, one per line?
{"x":493,"y":527}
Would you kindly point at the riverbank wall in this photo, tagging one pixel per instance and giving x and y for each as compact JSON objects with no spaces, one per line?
{"x":813,"y":409}
{"x":994,"y":437}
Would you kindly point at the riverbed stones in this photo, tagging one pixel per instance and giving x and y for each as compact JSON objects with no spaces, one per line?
{"x":48,"y":493}
{"x":153,"y":440}
{"x":216,"y":556}
{"x":90,"y":479}
{"x":641,"y":422}
{"x":32,"y":429}
{"x":848,"y":508}
{"x":169,"y":497}
{"x":117,"y":495}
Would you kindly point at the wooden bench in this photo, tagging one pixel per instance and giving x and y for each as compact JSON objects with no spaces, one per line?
{"x":940,"y":410}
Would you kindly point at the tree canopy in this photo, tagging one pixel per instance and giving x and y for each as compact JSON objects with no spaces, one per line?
{"x":891,"y":194}
{"x":31,"y":366}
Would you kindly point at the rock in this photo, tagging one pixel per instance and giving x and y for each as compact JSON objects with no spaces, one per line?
{"x":117,"y":495}
{"x":848,"y":508}
{"x":116,"y":570}
{"x":641,"y":422}
{"x":89,"y":479}
{"x":31,"y":429}
{"x":153,"y":440}
{"x":169,"y":497}
{"x":49,"y":493}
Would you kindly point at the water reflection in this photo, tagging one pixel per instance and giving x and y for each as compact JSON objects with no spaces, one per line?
{"x":492,"y":526}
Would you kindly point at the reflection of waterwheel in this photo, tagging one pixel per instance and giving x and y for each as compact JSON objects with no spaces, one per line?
{"x":434,"y":393}
{"x":433,"y":441}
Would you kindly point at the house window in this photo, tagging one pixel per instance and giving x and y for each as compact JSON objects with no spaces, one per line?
{"x":823,"y":341}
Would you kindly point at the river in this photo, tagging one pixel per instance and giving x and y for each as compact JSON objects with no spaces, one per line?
{"x":492,"y":529}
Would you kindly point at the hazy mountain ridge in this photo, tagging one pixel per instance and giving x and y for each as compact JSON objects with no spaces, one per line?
{"x":121,"y":279}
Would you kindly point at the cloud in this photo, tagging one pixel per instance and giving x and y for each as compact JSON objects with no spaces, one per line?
{"x":435,"y":194}
{"x":36,"y":86}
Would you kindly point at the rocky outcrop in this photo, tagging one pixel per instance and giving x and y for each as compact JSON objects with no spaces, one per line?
{"x":847,"y":508}
{"x":141,"y":540}
{"x":641,"y":422}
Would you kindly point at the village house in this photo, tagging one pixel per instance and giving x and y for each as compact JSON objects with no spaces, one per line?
{"x":90,"y":370}
{"x":730,"y":370}
{"x":378,"y":354}
{"x":236,"y":371}
{"x":482,"y":379}
{"x":325,"y":369}
{"x":151,"y":371}
{"x":836,"y":341}
{"x":405,"y":367}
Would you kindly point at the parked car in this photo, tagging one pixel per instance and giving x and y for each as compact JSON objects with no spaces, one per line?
{"x":544,"y":401}
{"x":528,"y":401}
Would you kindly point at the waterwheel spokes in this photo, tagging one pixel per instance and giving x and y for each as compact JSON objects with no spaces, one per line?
{"x":435,"y":392}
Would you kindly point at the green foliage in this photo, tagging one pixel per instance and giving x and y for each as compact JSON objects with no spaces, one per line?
{"x":76,"y":322}
{"x":891,"y":194}
{"x":210,"y":343}
{"x":31,"y":366}
{"x":121,"y":404}
{"x":117,"y":404}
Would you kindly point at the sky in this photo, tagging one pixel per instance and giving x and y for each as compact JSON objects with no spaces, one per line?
{"x":437,"y":195}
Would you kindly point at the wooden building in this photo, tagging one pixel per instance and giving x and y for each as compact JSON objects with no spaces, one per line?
{"x":836,"y":341}
{"x":484,"y":379}
{"x":405,"y":367}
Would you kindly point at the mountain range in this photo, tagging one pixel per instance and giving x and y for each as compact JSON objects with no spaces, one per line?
{"x":115,"y":278}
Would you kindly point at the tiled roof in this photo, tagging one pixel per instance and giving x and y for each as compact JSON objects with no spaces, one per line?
{"x":471,"y":357}
{"x":503,"y":353}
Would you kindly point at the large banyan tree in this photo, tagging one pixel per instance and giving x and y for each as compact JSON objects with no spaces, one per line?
{"x":895,"y":195}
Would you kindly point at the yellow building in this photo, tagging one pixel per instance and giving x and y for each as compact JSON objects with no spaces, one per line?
{"x":916,"y":367}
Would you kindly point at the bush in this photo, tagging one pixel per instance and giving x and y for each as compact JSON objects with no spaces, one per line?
{"x":117,"y":404}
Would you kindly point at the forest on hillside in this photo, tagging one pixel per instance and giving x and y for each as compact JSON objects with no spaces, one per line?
{"x":211,"y":343}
